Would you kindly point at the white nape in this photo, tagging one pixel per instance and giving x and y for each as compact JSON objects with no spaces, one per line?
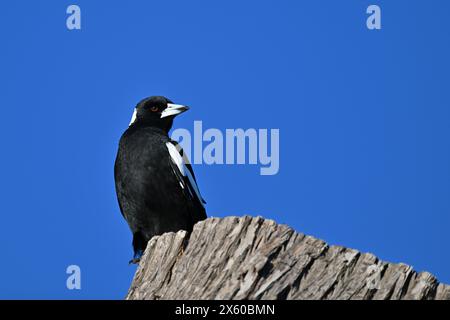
{"x":133,"y":117}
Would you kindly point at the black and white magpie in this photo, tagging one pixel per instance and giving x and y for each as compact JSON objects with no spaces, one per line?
{"x":155,"y":183}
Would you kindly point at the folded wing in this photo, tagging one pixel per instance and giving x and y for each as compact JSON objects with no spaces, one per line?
{"x":184,"y":173}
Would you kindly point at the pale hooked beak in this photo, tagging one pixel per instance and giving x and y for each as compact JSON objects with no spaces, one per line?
{"x":173,"y":110}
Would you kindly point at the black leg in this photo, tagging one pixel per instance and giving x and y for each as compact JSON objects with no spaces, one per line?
{"x":139,"y":244}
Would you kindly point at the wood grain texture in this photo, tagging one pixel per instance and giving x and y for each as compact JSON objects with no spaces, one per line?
{"x":254,"y":258}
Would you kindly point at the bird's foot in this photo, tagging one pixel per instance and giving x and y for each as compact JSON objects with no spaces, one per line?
{"x":134,"y":261}
{"x":137,"y":257}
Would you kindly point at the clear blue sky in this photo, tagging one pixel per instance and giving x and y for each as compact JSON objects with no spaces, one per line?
{"x":363,"y":118}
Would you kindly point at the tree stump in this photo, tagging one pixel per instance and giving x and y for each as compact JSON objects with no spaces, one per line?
{"x":254,"y":258}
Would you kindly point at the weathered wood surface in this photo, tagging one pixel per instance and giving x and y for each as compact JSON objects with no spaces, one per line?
{"x":253,"y":258}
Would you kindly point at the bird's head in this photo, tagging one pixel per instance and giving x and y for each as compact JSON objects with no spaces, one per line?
{"x":156,"y":111}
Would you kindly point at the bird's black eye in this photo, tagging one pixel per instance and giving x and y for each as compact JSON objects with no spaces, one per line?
{"x":154,"y":109}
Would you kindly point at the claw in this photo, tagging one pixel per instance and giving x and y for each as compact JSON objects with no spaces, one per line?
{"x":137,"y":257}
{"x":134,"y":261}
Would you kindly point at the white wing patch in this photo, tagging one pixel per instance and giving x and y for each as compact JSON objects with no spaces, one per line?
{"x":180,"y":162}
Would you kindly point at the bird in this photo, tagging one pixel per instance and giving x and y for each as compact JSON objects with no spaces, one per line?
{"x":155,"y":184}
